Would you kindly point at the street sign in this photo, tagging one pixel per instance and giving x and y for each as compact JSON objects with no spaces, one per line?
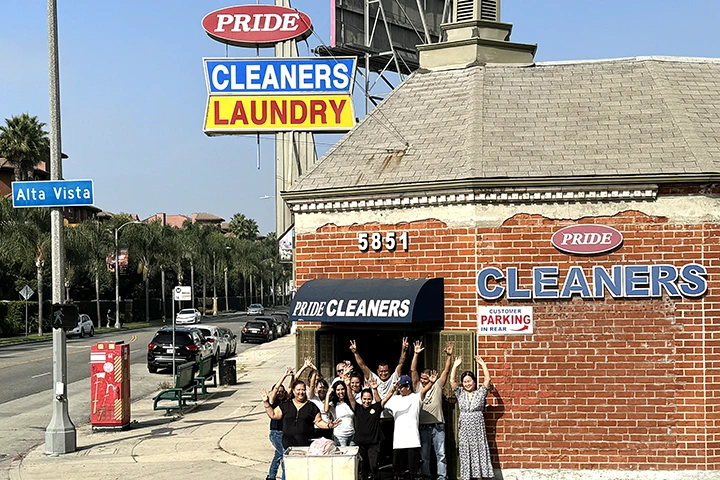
{"x":183,"y":294}
{"x":26,"y":292}
{"x":64,"y":316}
{"x":53,"y":193}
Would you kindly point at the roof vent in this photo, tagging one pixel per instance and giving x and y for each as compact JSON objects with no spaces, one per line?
{"x":476,"y":10}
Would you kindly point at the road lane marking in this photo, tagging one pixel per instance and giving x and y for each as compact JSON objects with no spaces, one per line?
{"x":49,"y":357}
{"x":41,"y":375}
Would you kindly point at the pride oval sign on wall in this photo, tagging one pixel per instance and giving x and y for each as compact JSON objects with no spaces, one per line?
{"x":587,"y":239}
{"x":256,"y":25}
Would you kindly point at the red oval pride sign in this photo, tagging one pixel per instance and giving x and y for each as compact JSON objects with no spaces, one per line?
{"x":586,"y":239}
{"x":256,"y":25}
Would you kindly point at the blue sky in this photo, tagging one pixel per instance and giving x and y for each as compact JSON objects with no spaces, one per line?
{"x":133,"y":92}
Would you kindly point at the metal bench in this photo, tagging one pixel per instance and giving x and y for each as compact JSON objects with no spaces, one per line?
{"x":204,"y":374}
{"x":185,"y":387}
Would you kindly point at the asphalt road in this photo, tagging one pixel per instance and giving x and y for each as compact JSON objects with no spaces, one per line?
{"x":26,"y":380}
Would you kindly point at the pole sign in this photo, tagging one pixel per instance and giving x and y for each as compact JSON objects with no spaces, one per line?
{"x":279,"y":75}
{"x":26,"y":292}
{"x":183,"y":294}
{"x":251,"y":95}
{"x":53,"y":193}
{"x":256,"y":25}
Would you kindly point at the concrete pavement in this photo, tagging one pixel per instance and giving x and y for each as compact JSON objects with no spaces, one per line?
{"x":225,"y":434}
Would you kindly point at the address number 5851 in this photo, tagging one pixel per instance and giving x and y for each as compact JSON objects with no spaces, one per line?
{"x":376,"y":241}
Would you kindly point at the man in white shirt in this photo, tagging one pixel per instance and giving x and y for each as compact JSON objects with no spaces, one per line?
{"x":405,"y":410}
{"x":432,"y":422}
{"x":383,"y":378}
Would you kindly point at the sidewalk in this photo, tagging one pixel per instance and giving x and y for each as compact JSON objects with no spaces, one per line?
{"x":224,"y":435}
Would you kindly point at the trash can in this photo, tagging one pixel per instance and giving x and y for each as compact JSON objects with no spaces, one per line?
{"x":336,"y":466}
{"x":227,"y":372}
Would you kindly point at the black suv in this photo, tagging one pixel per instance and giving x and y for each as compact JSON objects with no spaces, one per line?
{"x":190,"y":346}
{"x":256,"y":330}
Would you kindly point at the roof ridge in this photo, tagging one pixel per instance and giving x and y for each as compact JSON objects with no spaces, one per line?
{"x":679,"y":118}
{"x":658,"y":58}
{"x":479,"y":123}
{"x":349,"y":135}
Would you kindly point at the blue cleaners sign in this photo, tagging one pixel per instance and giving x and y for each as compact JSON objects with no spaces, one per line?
{"x":279,"y":75}
{"x":53,"y":193}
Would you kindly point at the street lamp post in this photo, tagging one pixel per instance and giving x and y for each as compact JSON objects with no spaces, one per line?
{"x":214,"y":289}
{"x":60,"y":434}
{"x":227,"y":306}
{"x":117,"y":273}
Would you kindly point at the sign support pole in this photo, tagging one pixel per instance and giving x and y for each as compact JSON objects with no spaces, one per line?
{"x":60,"y":435}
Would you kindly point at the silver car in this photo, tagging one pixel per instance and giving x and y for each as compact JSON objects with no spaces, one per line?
{"x":84,"y":327}
{"x":255,"y":309}
{"x":188,"y":315}
{"x":219,"y":342}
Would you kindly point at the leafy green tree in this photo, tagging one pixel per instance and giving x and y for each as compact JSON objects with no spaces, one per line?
{"x":25,"y":237}
{"x":24,"y":144}
{"x":243,"y":227}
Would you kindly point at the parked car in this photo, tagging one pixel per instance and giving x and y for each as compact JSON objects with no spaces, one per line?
{"x":84,"y":327}
{"x":255,"y":309}
{"x":218,"y":341}
{"x":190,"y":346}
{"x":275,"y":325}
{"x":231,"y":341}
{"x":256,"y":330}
{"x":188,"y":315}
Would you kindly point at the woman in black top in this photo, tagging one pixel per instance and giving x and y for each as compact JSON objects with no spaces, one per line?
{"x":368,"y":433}
{"x":299,"y":417}
{"x":277,"y":396}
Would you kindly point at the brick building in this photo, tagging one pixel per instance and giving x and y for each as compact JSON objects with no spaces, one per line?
{"x":468,"y":170}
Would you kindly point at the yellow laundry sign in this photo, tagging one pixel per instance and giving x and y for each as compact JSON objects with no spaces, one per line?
{"x":263,"y":113}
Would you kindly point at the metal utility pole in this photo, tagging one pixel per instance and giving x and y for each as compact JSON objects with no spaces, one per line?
{"x":60,"y":435}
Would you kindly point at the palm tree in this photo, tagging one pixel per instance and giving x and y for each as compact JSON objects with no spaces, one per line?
{"x":243,"y":227}
{"x":143,"y":244}
{"x":166,"y":257}
{"x":87,"y":247}
{"x":26,"y":239}
{"x":246,"y":258}
{"x":191,"y":245}
{"x":24,"y":144}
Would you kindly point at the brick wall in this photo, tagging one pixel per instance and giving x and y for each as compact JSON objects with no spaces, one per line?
{"x":628,"y":384}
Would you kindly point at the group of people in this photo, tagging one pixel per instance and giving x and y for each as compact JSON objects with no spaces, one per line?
{"x":355,"y":407}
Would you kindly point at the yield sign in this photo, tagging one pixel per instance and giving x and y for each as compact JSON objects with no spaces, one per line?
{"x":26,"y":292}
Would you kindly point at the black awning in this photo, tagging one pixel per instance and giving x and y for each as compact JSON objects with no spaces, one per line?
{"x":369,"y":300}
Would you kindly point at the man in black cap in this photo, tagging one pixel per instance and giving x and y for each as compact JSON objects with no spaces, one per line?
{"x":405,"y":409}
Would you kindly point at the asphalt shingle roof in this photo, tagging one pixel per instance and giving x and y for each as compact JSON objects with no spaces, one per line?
{"x":636,"y":116}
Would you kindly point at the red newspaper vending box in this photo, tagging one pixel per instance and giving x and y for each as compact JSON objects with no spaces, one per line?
{"x":110,"y":385}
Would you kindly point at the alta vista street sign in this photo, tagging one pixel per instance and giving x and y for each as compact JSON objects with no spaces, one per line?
{"x":53,"y":193}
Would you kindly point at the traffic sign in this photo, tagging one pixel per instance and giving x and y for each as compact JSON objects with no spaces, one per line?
{"x":64,"y":316}
{"x":53,"y":193}
{"x":183,"y":293}
{"x":26,"y":292}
